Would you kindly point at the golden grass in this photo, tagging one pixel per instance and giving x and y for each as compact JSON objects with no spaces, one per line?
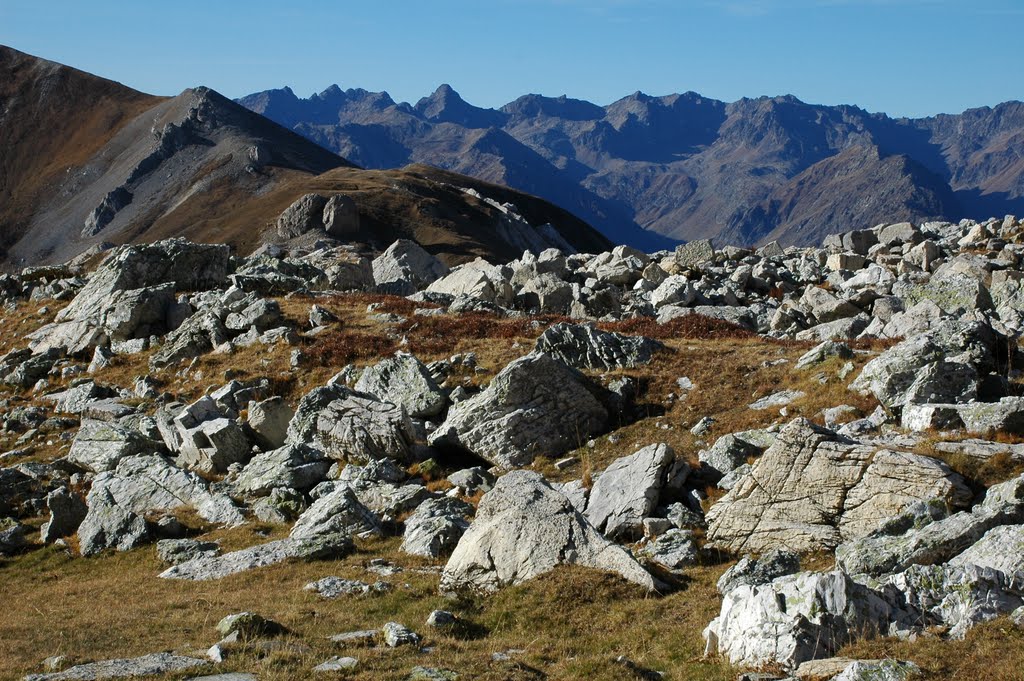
{"x":114,"y":605}
{"x":570,"y":624}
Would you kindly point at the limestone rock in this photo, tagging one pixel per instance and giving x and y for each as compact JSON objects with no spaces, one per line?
{"x":583,"y":346}
{"x":535,"y":405}
{"x":436,"y":527}
{"x":217,"y":567}
{"x":811,"y":490}
{"x":523,"y":529}
{"x":628,"y":491}
{"x":405,"y":381}
{"x":294,"y":466}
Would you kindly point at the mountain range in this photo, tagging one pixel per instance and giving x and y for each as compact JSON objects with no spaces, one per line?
{"x":686,"y":166}
{"x":86,"y":160}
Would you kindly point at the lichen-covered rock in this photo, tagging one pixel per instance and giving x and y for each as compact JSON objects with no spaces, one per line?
{"x":405,"y":381}
{"x":935,"y":542}
{"x":584,"y":346}
{"x":536,"y":405}
{"x":524,"y":528}
{"x":435,"y":527}
{"x":794,"y":619}
{"x":957,"y":596}
{"x":99,"y":446}
{"x":351,"y":426}
{"x":294,"y":466}
{"x":628,"y":491}
{"x":812,"y":490}
{"x":339,"y":512}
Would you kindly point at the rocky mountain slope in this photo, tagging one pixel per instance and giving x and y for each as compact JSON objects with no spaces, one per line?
{"x":686,"y":166}
{"x":88,"y":162}
{"x":801,"y":461}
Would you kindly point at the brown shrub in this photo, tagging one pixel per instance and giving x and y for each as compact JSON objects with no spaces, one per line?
{"x":335,"y":348}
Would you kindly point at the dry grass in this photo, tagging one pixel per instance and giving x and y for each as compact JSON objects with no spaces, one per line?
{"x":571,"y":624}
{"x":65,"y":606}
{"x":991,"y":652}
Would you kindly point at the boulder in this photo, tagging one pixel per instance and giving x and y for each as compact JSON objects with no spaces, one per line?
{"x":793,"y":619}
{"x":67,"y":511}
{"x":206,"y":568}
{"x":757,"y":571}
{"x":477,"y":279}
{"x":727,"y":454}
{"x":198,"y":335}
{"x":890,"y":376}
{"x":957,"y":596}
{"x":341,"y":217}
{"x":535,"y":405}
{"x":628,"y":491}
{"x":694,"y":254}
{"x":349,"y":425}
{"x":436,"y":526}
{"x":673,"y":549}
{"x":405,"y":268}
{"x":189,"y":266}
{"x":99,"y":446}
{"x":304,"y":215}
{"x":523,"y":529}
{"x":157,"y":664}
{"x":812,"y":489}
{"x":119,"y":500}
{"x":405,"y":381}
{"x":269,"y":421}
{"x":337,"y":513}
{"x":177,"y":551}
{"x":934,"y":542}
{"x":584,"y":346}
{"x":297,"y":466}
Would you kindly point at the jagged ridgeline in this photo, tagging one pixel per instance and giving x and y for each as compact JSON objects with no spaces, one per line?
{"x":686,"y":166}
{"x":89,"y":162}
{"x":807,"y":460}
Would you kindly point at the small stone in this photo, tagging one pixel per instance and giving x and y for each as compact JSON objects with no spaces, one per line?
{"x":440,"y":619}
{"x":396,"y":634}
{"x":248,"y":625}
{"x":337,"y":664}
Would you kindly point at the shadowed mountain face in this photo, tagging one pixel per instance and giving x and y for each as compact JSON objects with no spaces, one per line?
{"x":88,"y":160}
{"x":686,"y":166}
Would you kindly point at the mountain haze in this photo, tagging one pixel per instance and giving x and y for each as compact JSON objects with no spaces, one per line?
{"x":687,"y":166}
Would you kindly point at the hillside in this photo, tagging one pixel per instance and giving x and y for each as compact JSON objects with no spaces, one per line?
{"x":686,"y":166}
{"x":88,"y":161}
{"x":802,"y":463}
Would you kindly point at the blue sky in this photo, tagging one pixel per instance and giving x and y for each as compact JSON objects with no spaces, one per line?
{"x":903,"y":57}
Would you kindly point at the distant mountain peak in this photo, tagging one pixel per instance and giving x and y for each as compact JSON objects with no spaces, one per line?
{"x":446,"y":106}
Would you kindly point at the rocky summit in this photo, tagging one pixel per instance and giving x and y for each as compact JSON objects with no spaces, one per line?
{"x":782,"y":463}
